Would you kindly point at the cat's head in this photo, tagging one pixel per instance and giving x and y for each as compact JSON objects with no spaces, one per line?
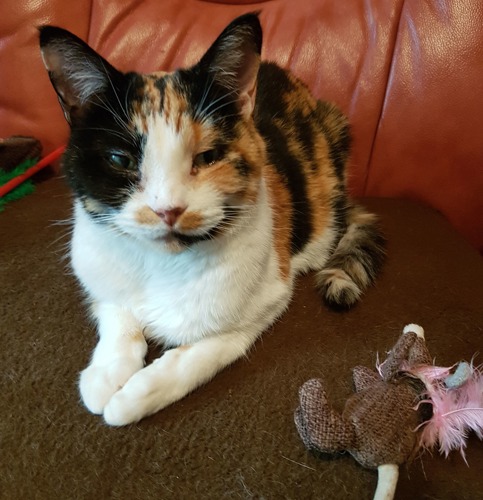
{"x":172,"y":158}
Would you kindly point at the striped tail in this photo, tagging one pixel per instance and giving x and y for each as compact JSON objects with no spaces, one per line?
{"x":356,"y":260}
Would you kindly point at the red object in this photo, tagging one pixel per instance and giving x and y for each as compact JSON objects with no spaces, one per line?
{"x":47,"y":160}
{"x":407,"y":73}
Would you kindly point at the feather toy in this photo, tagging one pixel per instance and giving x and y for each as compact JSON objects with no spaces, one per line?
{"x":456,"y":397}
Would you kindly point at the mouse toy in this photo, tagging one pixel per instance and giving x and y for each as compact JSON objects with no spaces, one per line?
{"x":406,"y":406}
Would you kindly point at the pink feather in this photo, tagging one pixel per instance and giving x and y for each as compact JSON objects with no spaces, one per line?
{"x":456,"y":411}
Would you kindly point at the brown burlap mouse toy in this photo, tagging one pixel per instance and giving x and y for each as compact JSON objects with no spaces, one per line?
{"x":382,"y":421}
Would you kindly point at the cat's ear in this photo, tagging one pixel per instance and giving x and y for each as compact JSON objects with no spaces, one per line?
{"x":76,"y":71}
{"x":234,"y":58}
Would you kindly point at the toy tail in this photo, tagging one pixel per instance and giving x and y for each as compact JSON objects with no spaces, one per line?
{"x":386,"y":482}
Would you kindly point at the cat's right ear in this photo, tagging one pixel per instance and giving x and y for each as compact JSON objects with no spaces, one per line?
{"x":233,"y":59}
{"x":76,"y":71}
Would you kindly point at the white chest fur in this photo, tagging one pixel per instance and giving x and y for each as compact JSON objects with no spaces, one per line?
{"x":211,"y":288}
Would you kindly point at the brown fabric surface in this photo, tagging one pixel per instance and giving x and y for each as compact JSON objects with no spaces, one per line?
{"x":235,"y":437}
{"x":382,"y":440}
{"x":407,"y":73}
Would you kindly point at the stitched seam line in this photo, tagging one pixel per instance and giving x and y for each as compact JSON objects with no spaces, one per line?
{"x":383,"y":102}
{"x":89,"y":25}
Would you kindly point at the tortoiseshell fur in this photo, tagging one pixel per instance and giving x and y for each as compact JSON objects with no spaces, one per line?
{"x":200,"y":195}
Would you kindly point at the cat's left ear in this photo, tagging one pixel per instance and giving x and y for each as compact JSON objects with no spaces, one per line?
{"x":234,"y":58}
{"x":77,"y":72}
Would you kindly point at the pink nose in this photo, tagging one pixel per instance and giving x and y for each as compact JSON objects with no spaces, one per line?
{"x":171,"y":215}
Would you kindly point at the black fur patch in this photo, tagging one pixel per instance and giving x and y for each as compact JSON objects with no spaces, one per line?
{"x":94,"y":136}
{"x":337,"y":133}
{"x":209,"y":101}
{"x":304,"y":131}
{"x":161,"y":86}
{"x":273,"y":85}
{"x":340,"y":209}
{"x":243,"y":167}
{"x":291,"y":171}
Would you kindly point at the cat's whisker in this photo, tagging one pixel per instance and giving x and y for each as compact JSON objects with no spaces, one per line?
{"x":115,"y":91}
{"x":207,"y":113}
{"x":63,"y":222}
{"x":215,"y":110}
{"x":123,"y":124}
{"x":203,"y":98}
{"x":126,"y":95}
{"x":63,"y":236}
{"x":218,"y":99}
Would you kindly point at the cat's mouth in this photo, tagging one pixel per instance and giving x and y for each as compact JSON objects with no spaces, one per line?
{"x":186,"y":240}
{"x":176,"y":242}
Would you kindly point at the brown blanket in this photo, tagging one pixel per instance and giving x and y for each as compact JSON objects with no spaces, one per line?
{"x":235,"y":437}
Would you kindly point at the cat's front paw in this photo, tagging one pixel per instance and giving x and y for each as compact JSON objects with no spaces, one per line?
{"x":146,"y":392}
{"x":98,"y":384}
{"x":123,"y":410}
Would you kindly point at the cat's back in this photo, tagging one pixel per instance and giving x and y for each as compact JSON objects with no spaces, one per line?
{"x":301,"y":133}
{"x":281,"y":99}
{"x":307,"y":144}
{"x":286,"y":110}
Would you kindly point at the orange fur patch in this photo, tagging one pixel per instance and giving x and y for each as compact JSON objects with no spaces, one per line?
{"x":320,"y":187}
{"x":190,"y":220}
{"x":282,"y":215}
{"x":146,"y":215}
{"x":223,"y":176}
{"x":174,"y":107}
{"x":151,"y":99}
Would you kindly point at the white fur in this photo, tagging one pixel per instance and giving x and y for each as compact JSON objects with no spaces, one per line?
{"x":209,"y":302}
{"x":166,"y":166}
{"x":216,"y":297}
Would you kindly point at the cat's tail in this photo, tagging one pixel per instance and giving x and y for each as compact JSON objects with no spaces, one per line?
{"x":355,"y":262}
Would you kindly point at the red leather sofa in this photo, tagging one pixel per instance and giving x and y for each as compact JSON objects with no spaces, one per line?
{"x":409,"y":74}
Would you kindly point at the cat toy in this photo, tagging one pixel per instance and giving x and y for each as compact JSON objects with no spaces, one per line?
{"x":406,"y":406}
{"x":12,"y":182}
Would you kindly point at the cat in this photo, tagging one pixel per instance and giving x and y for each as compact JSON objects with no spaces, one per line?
{"x":199,"y":196}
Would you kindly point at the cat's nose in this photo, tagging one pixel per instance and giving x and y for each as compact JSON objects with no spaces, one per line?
{"x":171,"y":215}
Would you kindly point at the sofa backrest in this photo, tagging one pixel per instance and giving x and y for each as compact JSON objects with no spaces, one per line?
{"x":408,"y":73}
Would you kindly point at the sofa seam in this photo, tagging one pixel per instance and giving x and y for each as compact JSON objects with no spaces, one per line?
{"x":89,"y":25}
{"x":384,"y":99}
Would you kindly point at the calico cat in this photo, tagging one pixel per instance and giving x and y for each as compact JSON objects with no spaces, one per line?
{"x":199,"y":196}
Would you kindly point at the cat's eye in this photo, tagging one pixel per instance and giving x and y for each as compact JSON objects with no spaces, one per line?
{"x":208,"y":157}
{"x":121,"y":160}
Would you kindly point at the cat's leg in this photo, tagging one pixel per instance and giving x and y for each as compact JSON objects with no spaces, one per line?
{"x":118,"y":355}
{"x":175,"y":374}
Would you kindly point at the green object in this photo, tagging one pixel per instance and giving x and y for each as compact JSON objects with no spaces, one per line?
{"x":23,"y":189}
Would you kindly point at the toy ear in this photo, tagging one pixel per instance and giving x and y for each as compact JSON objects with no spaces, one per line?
{"x":76,"y":71}
{"x":320,"y":427}
{"x":234,"y":58}
{"x":364,"y":377}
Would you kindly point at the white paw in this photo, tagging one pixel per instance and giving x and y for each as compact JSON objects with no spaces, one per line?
{"x":145,"y":393}
{"x":98,"y":383}
{"x":123,"y":409}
